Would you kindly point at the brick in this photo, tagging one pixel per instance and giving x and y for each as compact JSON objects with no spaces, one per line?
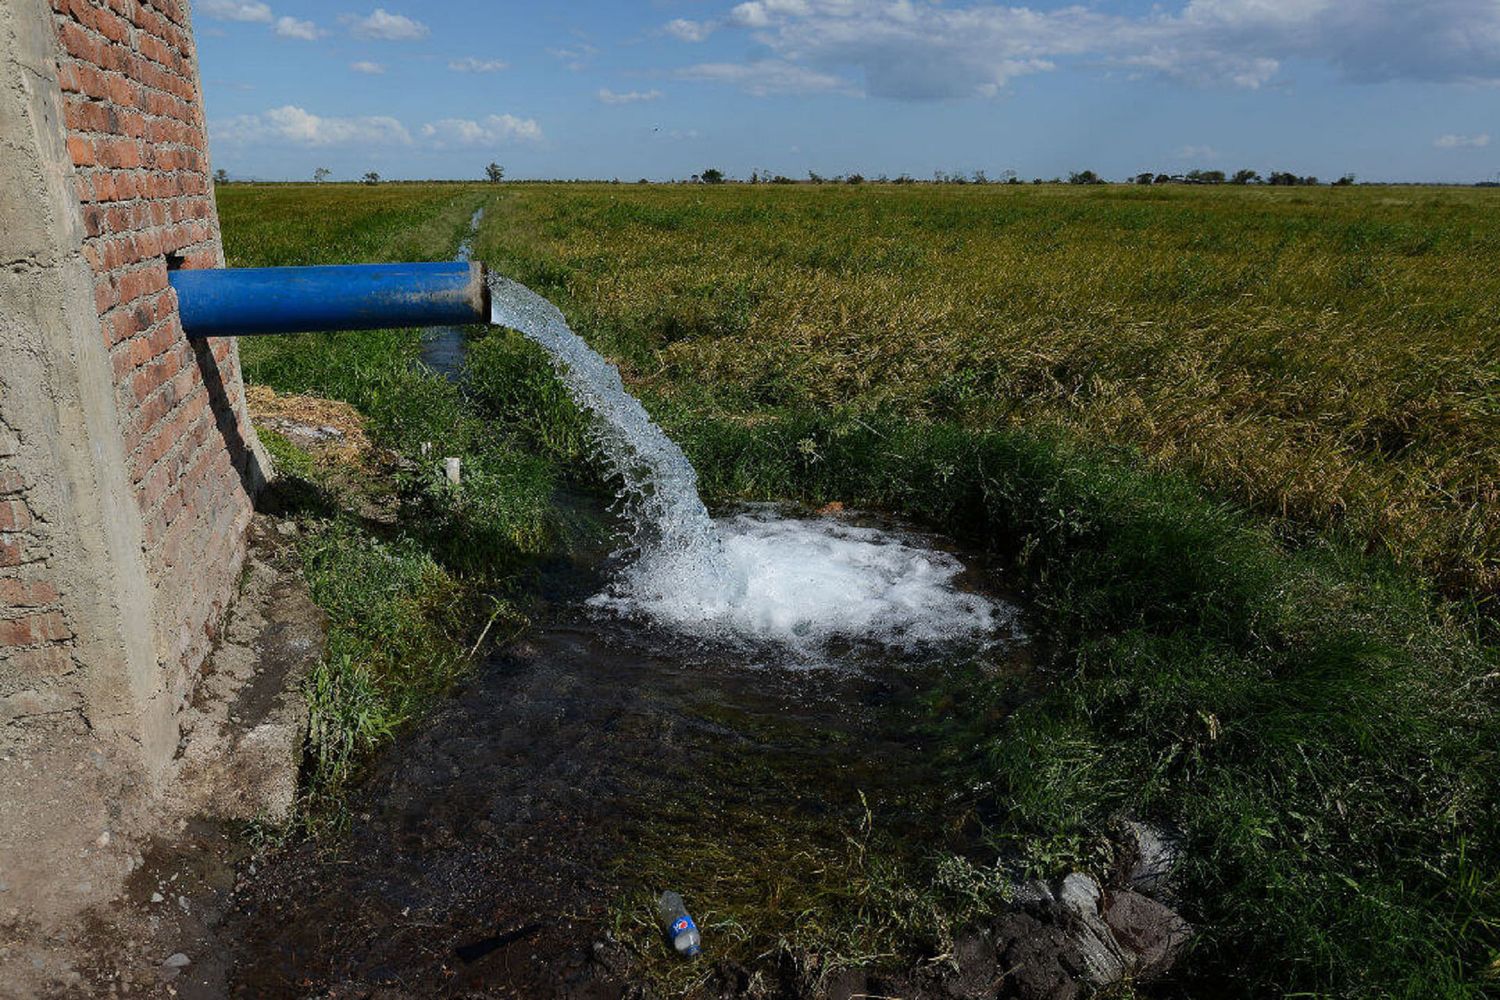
{"x":14,"y":515}
{"x":128,"y":121}
{"x":126,"y":187}
{"x":16,"y":593}
{"x":121,"y":153}
{"x":11,"y":482}
{"x":67,"y":77}
{"x":79,"y":44}
{"x":105,"y":296}
{"x":109,"y":25}
{"x":124,"y":91}
{"x":11,"y":551}
{"x":104,"y":190}
{"x":47,"y":662}
{"x":34,"y":629}
{"x":92,"y":81}
{"x":123,"y":325}
{"x":84,"y":116}
{"x":81,"y":149}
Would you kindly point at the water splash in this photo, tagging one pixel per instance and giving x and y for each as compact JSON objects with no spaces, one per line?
{"x":803,"y":584}
{"x":677,"y":548}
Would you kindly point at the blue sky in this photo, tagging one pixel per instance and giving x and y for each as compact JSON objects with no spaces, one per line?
{"x":1385,"y":89}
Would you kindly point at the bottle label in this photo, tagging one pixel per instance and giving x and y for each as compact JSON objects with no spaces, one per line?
{"x":682,"y":925}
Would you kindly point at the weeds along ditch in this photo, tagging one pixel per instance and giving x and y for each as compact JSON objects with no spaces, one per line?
{"x":1238,"y":447}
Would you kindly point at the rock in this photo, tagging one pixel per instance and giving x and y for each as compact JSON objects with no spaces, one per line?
{"x":178,"y":961}
{"x":1081,"y":900}
{"x":1030,"y":954}
{"x":1150,"y":857}
{"x":157,"y":897}
{"x":1033,"y":896}
{"x":1080,"y":895}
{"x":1153,"y":933}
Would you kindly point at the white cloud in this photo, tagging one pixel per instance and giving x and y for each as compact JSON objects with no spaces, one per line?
{"x":385,"y":26}
{"x":914,"y":49}
{"x":237,"y":10}
{"x":1480,"y":141}
{"x":494,"y":130}
{"x":629,"y":97}
{"x":303,"y":128}
{"x":577,"y":58}
{"x":472,"y":64}
{"x":767,"y":77}
{"x":368,"y":68}
{"x":1197,"y":153}
{"x":763,"y":13}
{"x":290,"y":27}
{"x":689,"y":31}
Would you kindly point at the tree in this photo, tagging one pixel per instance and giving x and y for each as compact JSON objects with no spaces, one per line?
{"x":855,"y":179}
{"x":1085,"y":177}
{"x":1245,"y":177}
{"x":1345,"y":181}
{"x":372,"y":178}
{"x":1146,"y":178}
{"x":221,"y":176}
{"x":713,"y":176}
{"x":494,"y":173}
{"x":322,"y":174}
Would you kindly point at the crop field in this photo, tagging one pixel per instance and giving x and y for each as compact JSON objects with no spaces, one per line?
{"x":1237,"y":448}
{"x":1327,"y":358}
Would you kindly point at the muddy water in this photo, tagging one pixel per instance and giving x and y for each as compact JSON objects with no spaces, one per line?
{"x":490,"y":852}
{"x":444,"y":348}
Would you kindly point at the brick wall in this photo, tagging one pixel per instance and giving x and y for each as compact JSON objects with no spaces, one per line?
{"x":136,"y":135}
{"x":35,"y":635}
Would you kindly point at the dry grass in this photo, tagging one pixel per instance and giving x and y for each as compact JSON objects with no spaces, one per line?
{"x":334,"y":429}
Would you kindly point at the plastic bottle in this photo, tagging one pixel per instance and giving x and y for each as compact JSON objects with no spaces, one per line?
{"x":679,"y":926}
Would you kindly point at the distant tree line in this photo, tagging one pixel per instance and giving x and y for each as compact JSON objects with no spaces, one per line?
{"x":1276,"y":178}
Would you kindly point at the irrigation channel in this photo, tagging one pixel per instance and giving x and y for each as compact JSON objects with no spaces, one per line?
{"x":723,"y":706}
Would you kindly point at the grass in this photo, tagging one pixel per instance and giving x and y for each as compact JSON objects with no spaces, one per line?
{"x":1241,"y":447}
{"x":1322,"y":729}
{"x":412,"y":571}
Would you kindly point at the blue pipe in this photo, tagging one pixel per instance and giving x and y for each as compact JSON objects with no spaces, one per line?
{"x":246,"y":302}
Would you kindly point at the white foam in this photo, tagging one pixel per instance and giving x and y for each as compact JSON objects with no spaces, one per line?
{"x":758,"y":578}
{"x":810,"y":583}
